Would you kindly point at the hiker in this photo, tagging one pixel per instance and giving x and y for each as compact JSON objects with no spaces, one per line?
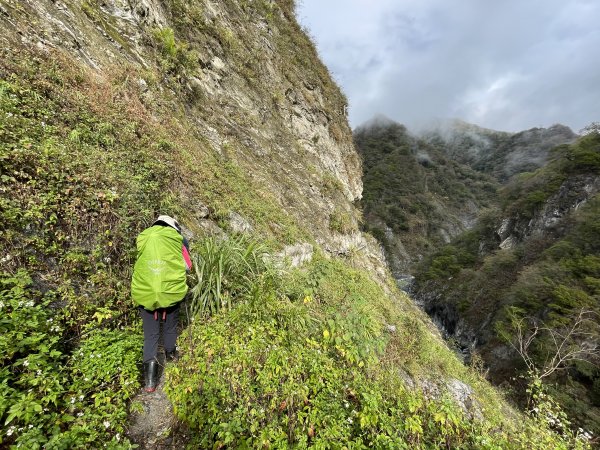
{"x":158,"y":286}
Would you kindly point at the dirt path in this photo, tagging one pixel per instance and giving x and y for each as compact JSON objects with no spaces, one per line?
{"x":154,"y":425}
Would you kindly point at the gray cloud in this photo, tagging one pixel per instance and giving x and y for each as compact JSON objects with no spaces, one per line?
{"x":507,"y":65}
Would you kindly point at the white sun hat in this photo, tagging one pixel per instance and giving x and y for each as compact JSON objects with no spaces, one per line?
{"x":168,"y":220}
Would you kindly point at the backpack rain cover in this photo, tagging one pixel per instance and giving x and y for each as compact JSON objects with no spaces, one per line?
{"x":159,"y":275}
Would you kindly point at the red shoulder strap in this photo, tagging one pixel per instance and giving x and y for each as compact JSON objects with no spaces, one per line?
{"x":186,"y":257}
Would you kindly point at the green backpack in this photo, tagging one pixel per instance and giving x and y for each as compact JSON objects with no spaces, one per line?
{"x":159,"y":276}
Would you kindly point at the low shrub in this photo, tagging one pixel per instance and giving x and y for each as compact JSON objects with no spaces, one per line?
{"x":223,"y":270}
{"x":296,"y":363}
{"x":52,"y":397}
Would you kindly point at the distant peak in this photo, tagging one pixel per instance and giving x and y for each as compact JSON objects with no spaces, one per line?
{"x":378,"y":121}
{"x":454,"y":125}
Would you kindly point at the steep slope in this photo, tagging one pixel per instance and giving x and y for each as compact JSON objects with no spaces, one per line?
{"x":222,"y":114}
{"x":537,"y":259}
{"x":416,"y":196}
{"x":422,"y":190}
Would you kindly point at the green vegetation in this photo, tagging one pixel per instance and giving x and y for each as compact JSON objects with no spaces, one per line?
{"x":80,"y":174}
{"x":341,"y":222}
{"x":223,"y":270}
{"x":301,"y":360}
{"x":415,"y":190}
{"x":89,"y":158}
{"x":227,"y":188}
{"x":176,"y":57}
{"x":547,"y":278}
{"x":52,"y":397}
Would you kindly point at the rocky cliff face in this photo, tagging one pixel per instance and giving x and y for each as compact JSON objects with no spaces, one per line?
{"x":552,"y":217}
{"x":249,"y":95}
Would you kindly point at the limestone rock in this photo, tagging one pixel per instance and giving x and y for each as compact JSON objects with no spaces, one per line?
{"x":296,"y":255}
{"x":238,"y":224}
{"x":463,"y":395}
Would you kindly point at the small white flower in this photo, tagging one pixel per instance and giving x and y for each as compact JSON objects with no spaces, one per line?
{"x":118,"y":437}
{"x":39,"y":372}
{"x":1,"y":304}
{"x":86,"y":379}
{"x":346,"y":404}
{"x":81,"y":397}
{"x":72,"y":400}
{"x":79,"y":414}
{"x":30,"y":426}
{"x":26,"y":362}
{"x":106,"y":424}
{"x":349,"y":420}
{"x":11,"y":430}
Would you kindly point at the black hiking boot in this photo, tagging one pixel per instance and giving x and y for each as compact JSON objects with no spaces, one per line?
{"x":151,"y":375}
{"x":172,"y":356}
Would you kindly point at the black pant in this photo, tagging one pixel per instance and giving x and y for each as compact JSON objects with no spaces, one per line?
{"x":151,"y":321}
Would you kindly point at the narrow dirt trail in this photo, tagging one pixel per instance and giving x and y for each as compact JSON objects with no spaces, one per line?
{"x":154,"y":425}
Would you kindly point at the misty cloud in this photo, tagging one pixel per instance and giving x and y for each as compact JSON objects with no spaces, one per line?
{"x":506,"y":65}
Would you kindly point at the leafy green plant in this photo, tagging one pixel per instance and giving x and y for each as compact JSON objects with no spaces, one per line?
{"x":341,"y":222}
{"x":224,"y":271}
{"x":51,"y":397}
{"x":176,"y":57}
{"x":300,"y":367}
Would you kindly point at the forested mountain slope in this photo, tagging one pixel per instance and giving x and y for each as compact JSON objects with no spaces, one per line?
{"x":532,"y":264}
{"x":417,"y":196}
{"x":499,"y":154}
{"x":421,"y":190}
{"x":221,"y":114}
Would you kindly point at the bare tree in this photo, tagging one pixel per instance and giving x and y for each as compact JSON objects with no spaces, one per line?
{"x":579,"y":340}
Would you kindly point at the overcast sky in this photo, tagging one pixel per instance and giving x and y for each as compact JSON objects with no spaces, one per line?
{"x":503,"y":64}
